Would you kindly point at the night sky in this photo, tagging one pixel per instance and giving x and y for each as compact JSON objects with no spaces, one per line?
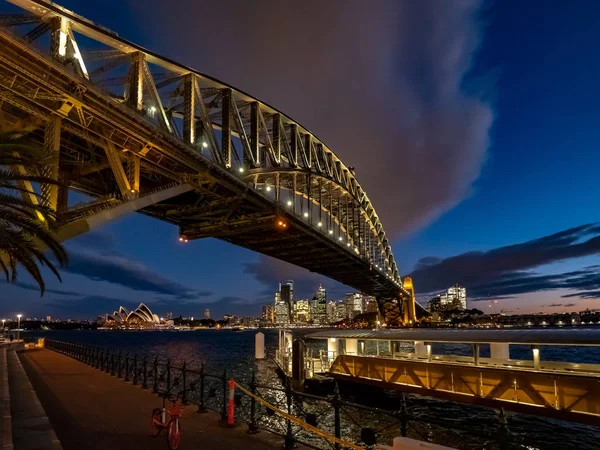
{"x":473,"y":128}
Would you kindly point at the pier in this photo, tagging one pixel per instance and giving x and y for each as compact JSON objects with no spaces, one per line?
{"x":403,"y":360}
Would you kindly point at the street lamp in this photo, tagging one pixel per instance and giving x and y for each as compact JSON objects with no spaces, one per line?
{"x":18,"y":326}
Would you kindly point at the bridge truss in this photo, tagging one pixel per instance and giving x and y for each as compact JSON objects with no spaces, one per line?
{"x":139,"y":132}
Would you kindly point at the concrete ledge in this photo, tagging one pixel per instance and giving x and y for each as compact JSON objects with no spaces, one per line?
{"x":31,"y":428}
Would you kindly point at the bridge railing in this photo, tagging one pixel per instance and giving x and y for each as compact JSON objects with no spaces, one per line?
{"x":297,"y":417}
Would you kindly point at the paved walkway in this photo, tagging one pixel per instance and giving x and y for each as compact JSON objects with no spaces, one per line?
{"x":93,"y":410}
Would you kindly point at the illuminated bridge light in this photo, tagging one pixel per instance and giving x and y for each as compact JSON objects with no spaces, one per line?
{"x":319,"y":224}
{"x":330,"y":231}
{"x":241,"y":169}
{"x":305,"y":214}
{"x":268,"y":188}
{"x":289,"y":203}
{"x":348,"y":244}
{"x":204,"y":145}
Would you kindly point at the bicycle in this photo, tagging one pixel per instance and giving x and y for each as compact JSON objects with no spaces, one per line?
{"x":159,"y":421}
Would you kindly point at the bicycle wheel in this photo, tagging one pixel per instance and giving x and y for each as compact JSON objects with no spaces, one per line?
{"x":156,"y":420}
{"x":174,"y":434}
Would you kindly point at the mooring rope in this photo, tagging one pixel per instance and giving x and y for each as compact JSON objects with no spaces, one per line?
{"x":300,"y":422}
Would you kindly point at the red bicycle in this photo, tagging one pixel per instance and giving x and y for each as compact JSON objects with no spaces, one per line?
{"x":160,"y":422}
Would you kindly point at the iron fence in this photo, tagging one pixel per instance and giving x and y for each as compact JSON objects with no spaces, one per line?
{"x":261,"y":407}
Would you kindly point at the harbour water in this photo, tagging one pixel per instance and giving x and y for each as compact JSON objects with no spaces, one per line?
{"x":233,"y":351}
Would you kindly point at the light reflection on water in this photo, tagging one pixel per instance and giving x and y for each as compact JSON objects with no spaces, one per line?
{"x":234,"y":351}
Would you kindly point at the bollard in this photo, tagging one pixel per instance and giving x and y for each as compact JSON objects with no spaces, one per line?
{"x":108,"y":360}
{"x":231,"y":409}
{"x":202,"y":405}
{"x":253,"y":425}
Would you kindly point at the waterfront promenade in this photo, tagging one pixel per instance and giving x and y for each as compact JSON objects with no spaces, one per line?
{"x":93,"y":410}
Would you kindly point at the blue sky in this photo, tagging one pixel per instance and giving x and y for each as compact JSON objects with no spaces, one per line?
{"x":520,"y":78}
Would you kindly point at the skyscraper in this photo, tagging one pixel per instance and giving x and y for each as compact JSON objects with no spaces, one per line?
{"x":302,"y":311}
{"x":331,"y":311}
{"x":286,"y":291}
{"x":454,"y":298}
{"x":318,"y":307}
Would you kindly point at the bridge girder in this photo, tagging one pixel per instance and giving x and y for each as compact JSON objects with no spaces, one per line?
{"x":258,"y":164}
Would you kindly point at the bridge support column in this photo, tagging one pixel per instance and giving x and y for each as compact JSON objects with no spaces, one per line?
{"x":49,"y":197}
{"x":499,"y":351}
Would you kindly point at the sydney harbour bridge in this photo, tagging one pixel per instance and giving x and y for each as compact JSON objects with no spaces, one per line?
{"x":138,"y":132}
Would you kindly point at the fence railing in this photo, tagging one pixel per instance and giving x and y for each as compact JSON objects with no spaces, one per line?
{"x":257,"y":405}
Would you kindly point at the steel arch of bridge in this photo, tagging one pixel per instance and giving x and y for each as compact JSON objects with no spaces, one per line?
{"x":120,"y":121}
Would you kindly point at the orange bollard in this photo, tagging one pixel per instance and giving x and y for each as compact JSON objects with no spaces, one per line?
{"x":231,"y":411}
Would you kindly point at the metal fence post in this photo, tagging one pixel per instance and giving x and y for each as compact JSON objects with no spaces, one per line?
{"x":119,"y":365}
{"x":289,"y":435}
{"x":503,"y":433}
{"x":183,"y":380}
{"x":155,"y":384}
{"x":112,"y":363}
{"x":127,"y":367}
{"x":336,"y":412}
{"x":403,"y":417}
{"x":253,"y":425}
{"x":202,"y":405}
{"x":145,"y":374}
{"x":135,"y":370}
{"x":224,"y":408}
{"x":169,"y":376}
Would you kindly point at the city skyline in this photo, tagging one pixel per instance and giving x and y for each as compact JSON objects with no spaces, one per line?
{"x":477,"y":138}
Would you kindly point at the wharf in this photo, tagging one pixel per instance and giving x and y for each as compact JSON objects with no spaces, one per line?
{"x":93,"y":410}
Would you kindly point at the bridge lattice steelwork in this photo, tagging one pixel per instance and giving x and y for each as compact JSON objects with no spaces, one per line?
{"x":139,"y":132}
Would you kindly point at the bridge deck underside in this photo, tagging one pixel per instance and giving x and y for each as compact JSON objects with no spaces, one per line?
{"x":255,"y":228}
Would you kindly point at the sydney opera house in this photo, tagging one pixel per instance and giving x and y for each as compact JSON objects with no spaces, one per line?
{"x":141,"y":317}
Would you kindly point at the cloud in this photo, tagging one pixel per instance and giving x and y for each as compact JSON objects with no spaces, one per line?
{"x":385,"y":87}
{"x":270,"y":272}
{"x":507,"y":270}
{"x":35,"y":287}
{"x":88,"y":306}
{"x":114,"y":268}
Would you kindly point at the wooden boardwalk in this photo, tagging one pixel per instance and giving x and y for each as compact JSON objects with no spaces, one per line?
{"x":93,"y":410}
